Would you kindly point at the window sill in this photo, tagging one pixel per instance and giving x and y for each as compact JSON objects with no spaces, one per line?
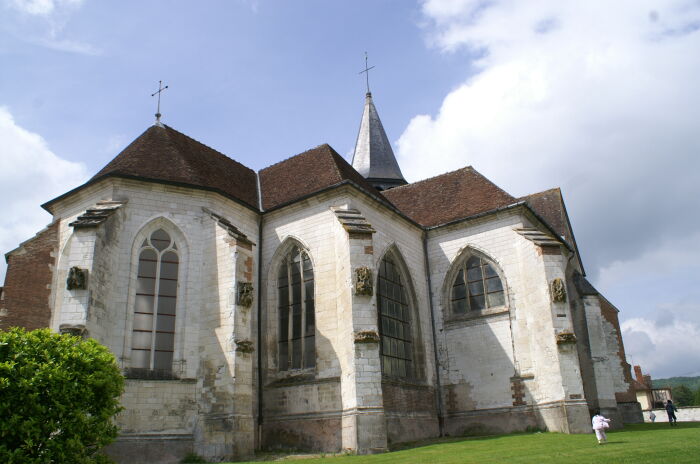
{"x":134,"y":373}
{"x":453,"y":320}
{"x":293,"y":377}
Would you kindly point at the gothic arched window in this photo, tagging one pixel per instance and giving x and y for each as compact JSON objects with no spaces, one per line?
{"x":394,"y":321}
{"x":295,"y":305}
{"x":153,"y":337}
{"x":476,"y":286}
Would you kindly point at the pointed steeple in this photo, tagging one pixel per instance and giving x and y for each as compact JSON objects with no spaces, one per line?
{"x":373,"y":157}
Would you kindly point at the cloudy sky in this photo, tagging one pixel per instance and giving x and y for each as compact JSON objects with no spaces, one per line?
{"x":600,"y":98}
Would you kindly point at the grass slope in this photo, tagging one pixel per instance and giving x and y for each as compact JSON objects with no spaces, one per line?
{"x":640,"y":443}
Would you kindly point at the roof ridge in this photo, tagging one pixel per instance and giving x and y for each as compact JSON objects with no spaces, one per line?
{"x":294,"y":156}
{"x":169,"y":128}
{"x":540,"y":193}
{"x":465,"y":168}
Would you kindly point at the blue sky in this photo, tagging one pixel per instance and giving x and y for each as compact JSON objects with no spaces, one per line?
{"x":600,"y":99}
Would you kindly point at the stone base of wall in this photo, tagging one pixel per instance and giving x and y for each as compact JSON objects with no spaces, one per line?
{"x":490,"y":421}
{"x":401,"y":429}
{"x":555,"y":417}
{"x":631,"y":412}
{"x":150,"y":449}
{"x":313,"y":434}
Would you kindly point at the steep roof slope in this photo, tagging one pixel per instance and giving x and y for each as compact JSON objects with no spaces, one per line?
{"x":448,"y":197}
{"x":163,"y":154}
{"x":550,"y":206}
{"x":305,"y":174}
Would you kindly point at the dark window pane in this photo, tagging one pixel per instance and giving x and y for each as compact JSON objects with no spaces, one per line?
{"x":283,"y":356}
{"x":308,"y":269}
{"x":459,"y":306}
{"x":296,"y":321}
{"x":477,"y":302}
{"x":166,"y":305}
{"x":309,"y":351}
{"x":167,"y":287}
{"x":296,"y":353}
{"x":141,"y":340}
{"x":476,"y":288}
{"x":168,"y":270}
{"x":489,"y":271}
{"x":143,"y":322}
{"x":163,"y":360}
{"x":284,"y":323}
{"x":309,"y":290}
{"x":146,"y":285}
{"x":141,"y":359}
{"x":143,"y":304}
{"x":473,"y":274}
{"x":473,"y":261}
{"x":296,"y":292}
{"x":147,"y":263}
{"x":160,"y":239}
{"x":493,"y":285}
{"x":496,"y":299}
{"x":165,"y":323}
{"x":164,"y":341}
{"x":283,"y":297}
{"x":310,"y":318}
{"x":459,"y":291}
{"x":460,"y":277}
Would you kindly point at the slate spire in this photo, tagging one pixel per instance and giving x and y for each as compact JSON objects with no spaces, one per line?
{"x":373,"y":157}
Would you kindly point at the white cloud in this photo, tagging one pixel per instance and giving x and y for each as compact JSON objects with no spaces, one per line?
{"x":41,"y":7}
{"x":30,"y":174}
{"x":44,"y":22}
{"x":597,"y":97}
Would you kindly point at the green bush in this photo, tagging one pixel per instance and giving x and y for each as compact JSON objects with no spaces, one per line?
{"x":58,"y":394}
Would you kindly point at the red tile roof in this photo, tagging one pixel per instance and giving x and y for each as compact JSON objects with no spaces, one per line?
{"x":305,"y":174}
{"x":550,"y":206}
{"x":449,"y":197}
{"x":163,"y":154}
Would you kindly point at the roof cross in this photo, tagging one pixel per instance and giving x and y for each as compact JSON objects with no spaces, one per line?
{"x":366,"y":71}
{"x":160,"y":89}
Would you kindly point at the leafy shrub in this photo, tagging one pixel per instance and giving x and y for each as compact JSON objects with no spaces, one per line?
{"x":58,"y":394}
{"x":193,"y":458}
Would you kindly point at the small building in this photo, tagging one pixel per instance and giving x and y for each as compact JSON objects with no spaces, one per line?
{"x":647,"y":396}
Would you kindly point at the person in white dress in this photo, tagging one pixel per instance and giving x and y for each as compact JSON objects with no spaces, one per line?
{"x":600,"y":423}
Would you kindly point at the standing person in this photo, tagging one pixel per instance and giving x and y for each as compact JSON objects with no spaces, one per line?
{"x":671,"y":411}
{"x":600,"y":423}
{"x":652,"y":416}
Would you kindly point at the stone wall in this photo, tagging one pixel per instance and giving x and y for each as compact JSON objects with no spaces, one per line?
{"x":684,"y":414}
{"x":29,"y":281}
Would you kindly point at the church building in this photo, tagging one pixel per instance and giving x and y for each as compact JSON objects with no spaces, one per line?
{"x":320,"y":305}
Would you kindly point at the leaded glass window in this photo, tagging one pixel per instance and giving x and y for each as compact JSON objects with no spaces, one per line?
{"x":295,"y":305}
{"x":394,"y":321}
{"x":476,"y":287}
{"x":153,"y":337}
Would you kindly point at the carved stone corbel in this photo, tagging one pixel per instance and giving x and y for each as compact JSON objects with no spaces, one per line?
{"x":244,"y":346}
{"x":245,"y":294}
{"x":367,"y":336}
{"x":73,"y":329}
{"x":77,"y":279}
{"x":363,"y":281}
{"x":558,"y":290}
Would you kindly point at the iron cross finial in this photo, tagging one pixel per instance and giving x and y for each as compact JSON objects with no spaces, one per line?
{"x":366,"y":71}
{"x":158,"y":92}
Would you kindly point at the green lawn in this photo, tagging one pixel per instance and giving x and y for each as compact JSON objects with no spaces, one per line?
{"x":640,"y":443}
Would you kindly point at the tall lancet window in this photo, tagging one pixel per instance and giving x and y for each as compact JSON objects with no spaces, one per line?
{"x":394,"y":321}
{"x":477,"y":286}
{"x":295,"y":304}
{"x":152,"y":341}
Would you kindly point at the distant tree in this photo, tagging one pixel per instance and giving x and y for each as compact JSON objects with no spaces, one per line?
{"x":682,"y":395}
{"x":58,"y":395}
{"x":697,"y":397}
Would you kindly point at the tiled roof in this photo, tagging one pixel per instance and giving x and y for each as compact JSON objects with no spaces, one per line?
{"x":448,"y":197}
{"x":550,"y":206}
{"x":305,"y":174}
{"x":163,"y":154}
